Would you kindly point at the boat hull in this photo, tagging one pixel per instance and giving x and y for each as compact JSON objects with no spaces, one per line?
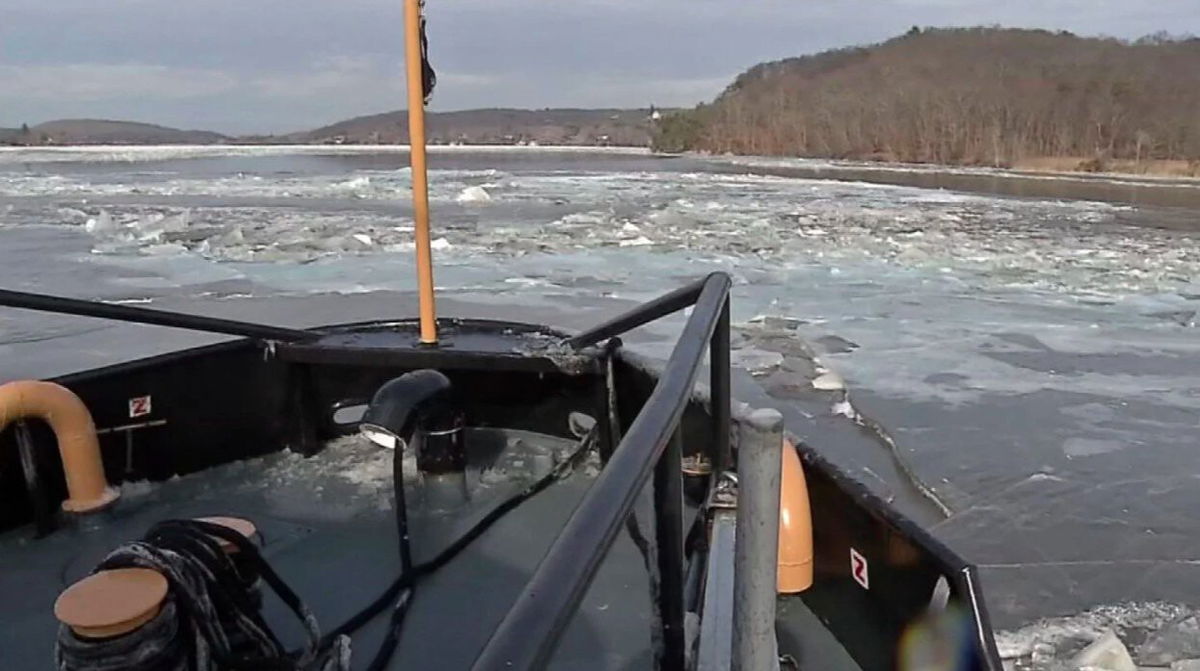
{"x":879,"y":578}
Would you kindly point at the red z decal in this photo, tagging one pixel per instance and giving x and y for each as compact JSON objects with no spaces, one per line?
{"x":139,"y":407}
{"x":859,"y":569}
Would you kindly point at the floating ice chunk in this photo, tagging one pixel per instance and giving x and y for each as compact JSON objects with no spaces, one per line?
{"x":356,"y":184}
{"x":1050,"y":644}
{"x":828,"y":380}
{"x":333,"y":243}
{"x":1181,"y":317}
{"x":112,"y":247}
{"x":527,"y":281}
{"x":175,"y":223}
{"x":474,"y":194}
{"x":1177,"y":641}
{"x":101,"y":223}
{"x":844,"y":408}
{"x":231,"y":238}
{"x":1106,"y":653}
{"x":757,"y":362}
{"x":640,"y":241}
{"x":835,"y":344}
{"x":776,"y":322}
{"x":167,"y":249}
{"x":148,"y":229}
{"x":70,"y":214}
{"x":440,"y":244}
{"x":629,"y":227}
{"x":1078,"y":446}
{"x":583,"y":218}
{"x":274,"y":254}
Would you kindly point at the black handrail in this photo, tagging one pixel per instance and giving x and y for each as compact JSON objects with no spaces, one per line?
{"x":139,"y":315}
{"x":530,"y":631}
{"x":643,"y":314}
{"x":718,"y":366}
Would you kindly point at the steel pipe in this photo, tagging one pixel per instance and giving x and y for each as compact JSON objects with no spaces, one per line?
{"x":760,"y":439}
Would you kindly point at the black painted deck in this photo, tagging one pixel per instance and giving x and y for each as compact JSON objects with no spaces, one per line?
{"x":329,"y":531}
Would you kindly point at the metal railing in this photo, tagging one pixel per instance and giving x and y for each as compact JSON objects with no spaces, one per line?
{"x":530,"y":632}
{"x":140,"y":315}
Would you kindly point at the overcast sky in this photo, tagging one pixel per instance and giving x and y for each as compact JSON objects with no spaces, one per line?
{"x":281,"y":65}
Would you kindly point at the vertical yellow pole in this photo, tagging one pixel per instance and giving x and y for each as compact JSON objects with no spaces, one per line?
{"x":420,"y":181}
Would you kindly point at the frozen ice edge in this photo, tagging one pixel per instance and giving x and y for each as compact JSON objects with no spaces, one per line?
{"x":108,"y":153}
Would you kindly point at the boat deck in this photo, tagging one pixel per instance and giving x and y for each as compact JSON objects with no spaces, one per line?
{"x":327,"y":528}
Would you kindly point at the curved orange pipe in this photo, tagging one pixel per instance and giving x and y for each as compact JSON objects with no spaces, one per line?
{"x":87,"y":488}
{"x":795,"y":571}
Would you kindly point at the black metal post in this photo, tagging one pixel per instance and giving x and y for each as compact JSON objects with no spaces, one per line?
{"x":43,"y":517}
{"x":301,"y":420}
{"x":668,"y":532}
{"x":609,"y":417}
{"x":138,"y":315}
{"x":405,"y":543}
{"x":721,"y":395}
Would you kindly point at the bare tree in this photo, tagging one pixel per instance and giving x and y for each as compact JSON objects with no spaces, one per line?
{"x":967,"y":95}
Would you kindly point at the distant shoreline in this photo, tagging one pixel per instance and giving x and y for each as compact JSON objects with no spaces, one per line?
{"x":162,"y":152}
{"x":499,"y":126}
{"x":1148,"y":172}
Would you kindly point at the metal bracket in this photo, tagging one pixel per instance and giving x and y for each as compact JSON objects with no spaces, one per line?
{"x":724,"y":495}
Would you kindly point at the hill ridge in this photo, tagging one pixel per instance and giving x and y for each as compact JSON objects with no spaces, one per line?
{"x":498,"y":125}
{"x":983,"y":95}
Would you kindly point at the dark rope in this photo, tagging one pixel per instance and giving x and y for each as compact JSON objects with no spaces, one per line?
{"x":404,"y":583}
{"x":214,"y":610}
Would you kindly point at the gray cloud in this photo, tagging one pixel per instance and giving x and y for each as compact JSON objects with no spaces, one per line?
{"x":277,"y":65}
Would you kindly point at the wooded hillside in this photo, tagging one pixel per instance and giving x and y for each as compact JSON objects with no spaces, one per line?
{"x":971,"y":96}
{"x":105,"y":131}
{"x":496,"y":126}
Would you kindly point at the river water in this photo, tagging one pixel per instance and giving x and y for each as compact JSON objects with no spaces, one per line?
{"x":1027,"y":342}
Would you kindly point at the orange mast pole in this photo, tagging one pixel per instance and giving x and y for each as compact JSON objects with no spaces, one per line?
{"x":420,"y":179}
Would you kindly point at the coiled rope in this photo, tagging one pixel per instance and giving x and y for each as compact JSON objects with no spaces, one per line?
{"x":211,"y":620}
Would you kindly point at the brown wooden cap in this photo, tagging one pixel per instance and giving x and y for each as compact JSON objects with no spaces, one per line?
{"x":242,"y":526}
{"x":111,"y":603}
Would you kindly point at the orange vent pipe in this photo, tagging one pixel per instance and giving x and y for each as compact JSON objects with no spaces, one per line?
{"x":795,"y":526}
{"x":87,"y":488}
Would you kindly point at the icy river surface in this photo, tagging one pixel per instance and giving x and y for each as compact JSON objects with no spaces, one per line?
{"x":1034,"y":359}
